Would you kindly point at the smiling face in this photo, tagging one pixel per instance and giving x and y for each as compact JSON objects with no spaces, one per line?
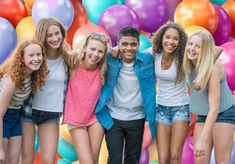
{"x":170,"y":41}
{"x":128,"y":46}
{"x":193,"y":48}
{"x":95,"y":51}
{"x":54,"y":37}
{"x":33,"y":57}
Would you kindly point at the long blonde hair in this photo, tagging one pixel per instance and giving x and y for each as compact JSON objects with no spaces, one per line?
{"x":205,"y":61}
{"x":15,"y":67}
{"x":102,"y":65}
{"x":41,"y":33}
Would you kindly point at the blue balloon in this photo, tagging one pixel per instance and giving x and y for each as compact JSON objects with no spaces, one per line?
{"x":8,"y":39}
{"x":144,"y":43}
{"x":218,"y":2}
{"x":67,"y":150}
{"x":95,"y":8}
{"x":60,"y":9}
{"x":63,"y":161}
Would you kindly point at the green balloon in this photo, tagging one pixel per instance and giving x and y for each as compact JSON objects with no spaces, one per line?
{"x":95,"y":8}
{"x":218,"y":2}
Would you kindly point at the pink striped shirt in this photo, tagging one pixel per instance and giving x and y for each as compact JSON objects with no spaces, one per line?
{"x":82,"y":95}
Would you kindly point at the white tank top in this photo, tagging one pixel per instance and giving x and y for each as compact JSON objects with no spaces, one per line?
{"x":169,"y":92}
{"x":51,"y":97}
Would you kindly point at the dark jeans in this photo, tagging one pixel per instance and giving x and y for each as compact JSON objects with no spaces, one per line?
{"x":128,"y":133}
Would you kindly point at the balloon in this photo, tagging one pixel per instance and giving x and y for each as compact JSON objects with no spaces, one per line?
{"x":65,"y":134}
{"x":224,"y":27}
{"x":147,"y":134}
{"x":144,"y":44}
{"x":202,"y":14}
{"x":8,"y":39}
{"x":103,"y":153}
{"x":144,"y":157}
{"x":25,"y":29}
{"x":29,"y":3}
{"x":171,"y":6}
{"x":13,"y":10}
{"x":59,"y":9}
{"x":116,"y":17}
{"x":66,"y":150}
{"x":83,"y":31}
{"x":152,"y":13}
{"x":227,"y":58}
{"x":80,"y":19}
{"x":188,"y":155}
{"x":229,"y":6}
{"x":218,"y":2}
{"x":63,"y":161}
{"x":95,"y":8}
{"x":153,"y":154}
{"x":191,"y":29}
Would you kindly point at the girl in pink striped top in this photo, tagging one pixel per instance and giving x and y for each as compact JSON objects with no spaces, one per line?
{"x":86,"y":80}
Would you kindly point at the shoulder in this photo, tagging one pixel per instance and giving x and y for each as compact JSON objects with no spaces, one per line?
{"x":7,"y":84}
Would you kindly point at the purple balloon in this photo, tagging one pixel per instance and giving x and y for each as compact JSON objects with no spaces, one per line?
{"x":116,"y":17}
{"x":144,"y":156}
{"x":224,"y":27}
{"x":8,"y":39}
{"x":152,"y":13}
{"x":171,"y":6}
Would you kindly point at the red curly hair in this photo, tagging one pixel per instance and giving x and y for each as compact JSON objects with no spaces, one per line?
{"x":14,"y":67}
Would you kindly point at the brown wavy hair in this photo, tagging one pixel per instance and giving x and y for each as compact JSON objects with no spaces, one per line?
{"x":41,"y":33}
{"x":16,"y":69}
{"x":178,"y":53}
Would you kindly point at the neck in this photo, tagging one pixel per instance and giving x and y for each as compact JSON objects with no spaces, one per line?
{"x":167,"y":56}
{"x":52,"y":53}
{"x":28,"y":73}
{"x":88,"y":66}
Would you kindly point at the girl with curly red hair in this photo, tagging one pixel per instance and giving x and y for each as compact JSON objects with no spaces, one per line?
{"x":23,"y":73}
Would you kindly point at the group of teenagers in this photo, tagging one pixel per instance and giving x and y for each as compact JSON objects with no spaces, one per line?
{"x":99,"y":90}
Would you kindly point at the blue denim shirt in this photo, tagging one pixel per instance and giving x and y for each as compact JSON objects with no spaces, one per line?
{"x":144,"y":70}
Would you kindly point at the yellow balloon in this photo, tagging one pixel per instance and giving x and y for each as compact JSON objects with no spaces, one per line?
{"x":76,"y":162}
{"x":103,"y":158}
{"x":153,"y":155}
{"x":191,"y":29}
{"x":65,"y":134}
{"x":25,"y":29}
{"x":29,"y":3}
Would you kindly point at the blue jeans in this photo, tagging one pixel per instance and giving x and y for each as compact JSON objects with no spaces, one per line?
{"x":227,"y":116}
{"x":11,"y":123}
{"x":168,"y":114}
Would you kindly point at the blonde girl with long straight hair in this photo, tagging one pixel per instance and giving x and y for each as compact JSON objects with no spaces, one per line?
{"x":210,"y":99}
{"x":86,"y":81}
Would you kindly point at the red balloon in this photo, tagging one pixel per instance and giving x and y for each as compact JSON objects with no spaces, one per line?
{"x":80,"y":19}
{"x":13,"y":11}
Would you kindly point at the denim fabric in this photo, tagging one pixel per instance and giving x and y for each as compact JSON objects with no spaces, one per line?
{"x":144,"y":70}
{"x":168,"y":114}
{"x":11,"y":123}
{"x":228,"y":116}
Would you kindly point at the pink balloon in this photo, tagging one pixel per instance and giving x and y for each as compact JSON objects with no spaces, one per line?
{"x":147,"y":136}
{"x":188,"y":155}
{"x":116,"y":17}
{"x":224,"y":27}
{"x":227,"y":58}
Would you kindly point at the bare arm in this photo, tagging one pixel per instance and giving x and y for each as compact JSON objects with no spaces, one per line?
{"x":8,"y":89}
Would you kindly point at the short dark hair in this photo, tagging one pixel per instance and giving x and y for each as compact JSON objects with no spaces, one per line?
{"x":129,"y":31}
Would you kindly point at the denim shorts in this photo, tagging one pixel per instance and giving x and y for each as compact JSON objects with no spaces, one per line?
{"x":227,"y":116}
{"x":39,"y":117}
{"x":168,"y":114}
{"x":11,"y":123}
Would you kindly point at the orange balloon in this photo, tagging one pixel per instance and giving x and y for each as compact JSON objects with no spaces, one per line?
{"x":83,"y":31}
{"x":200,"y":13}
{"x":191,"y":29}
{"x":80,"y":19}
{"x":229,"y":6}
{"x":29,"y":3}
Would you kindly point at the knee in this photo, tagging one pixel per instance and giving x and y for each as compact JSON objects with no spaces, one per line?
{"x":163,"y":161}
{"x":222,"y":159}
{"x":175,"y":157}
{"x":86,"y":161}
{"x":48,"y":160}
